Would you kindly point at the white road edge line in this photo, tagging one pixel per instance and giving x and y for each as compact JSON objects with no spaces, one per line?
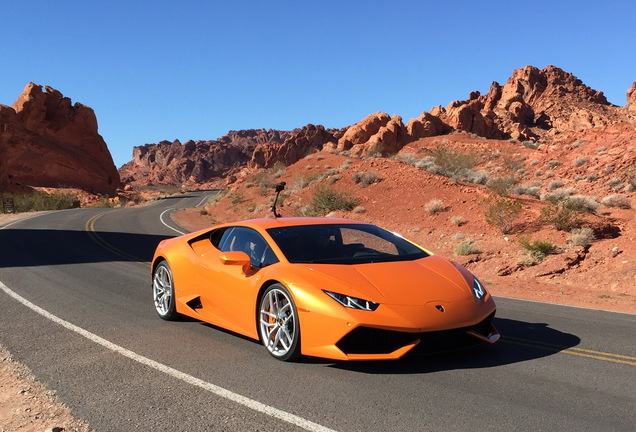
{"x":212,"y":388}
{"x":205,"y":198}
{"x":163,"y":222}
{"x":562,"y":305}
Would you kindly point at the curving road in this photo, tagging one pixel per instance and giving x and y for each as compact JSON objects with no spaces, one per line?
{"x":75,"y":306}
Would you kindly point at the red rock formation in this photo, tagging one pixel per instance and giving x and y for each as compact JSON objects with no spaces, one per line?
{"x":375,"y":134}
{"x":533,"y":104}
{"x":309,"y":139}
{"x":197,"y":162}
{"x":47,"y":141}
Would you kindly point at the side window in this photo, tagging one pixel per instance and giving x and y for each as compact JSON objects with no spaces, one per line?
{"x":251,"y":242}
{"x":216,"y":237}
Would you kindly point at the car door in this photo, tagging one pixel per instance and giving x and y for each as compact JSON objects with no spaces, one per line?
{"x":228,"y":290}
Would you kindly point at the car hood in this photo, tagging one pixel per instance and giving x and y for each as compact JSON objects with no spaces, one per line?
{"x":400,"y":283}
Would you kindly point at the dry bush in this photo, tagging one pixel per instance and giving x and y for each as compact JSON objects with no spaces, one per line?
{"x":582,"y":236}
{"x":366,"y":178}
{"x":502,"y":212}
{"x":501,"y":185}
{"x":616,"y":200}
{"x":435,"y":206}
{"x":465,"y":248}
{"x":457,"y":220}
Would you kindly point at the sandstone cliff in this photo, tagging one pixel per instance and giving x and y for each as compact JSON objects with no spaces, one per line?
{"x":47,"y":141}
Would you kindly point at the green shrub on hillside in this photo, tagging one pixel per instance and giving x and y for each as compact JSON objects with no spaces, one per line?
{"x":327,"y":199}
{"x":40,"y":201}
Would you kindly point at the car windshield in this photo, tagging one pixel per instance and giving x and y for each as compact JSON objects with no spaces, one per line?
{"x":343,"y":244}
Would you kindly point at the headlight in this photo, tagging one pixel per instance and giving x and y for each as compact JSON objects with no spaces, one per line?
{"x":478,"y":289}
{"x":353,"y":302}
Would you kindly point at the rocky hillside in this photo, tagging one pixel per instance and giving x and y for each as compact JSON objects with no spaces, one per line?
{"x":199,"y":163}
{"x":45,"y":140}
{"x":538,"y":106}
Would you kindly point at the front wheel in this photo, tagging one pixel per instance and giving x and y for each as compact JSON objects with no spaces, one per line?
{"x":278,"y":325}
{"x":163,"y":292}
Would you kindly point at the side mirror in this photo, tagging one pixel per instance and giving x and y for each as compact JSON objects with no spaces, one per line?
{"x":235,"y":258}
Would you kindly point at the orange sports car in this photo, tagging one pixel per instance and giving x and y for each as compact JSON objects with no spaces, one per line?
{"x":322,"y":287}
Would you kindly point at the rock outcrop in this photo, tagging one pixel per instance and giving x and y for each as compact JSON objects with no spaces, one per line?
{"x":533,"y":104}
{"x":47,"y":141}
{"x":197,"y":162}
{"x":309,"y":139}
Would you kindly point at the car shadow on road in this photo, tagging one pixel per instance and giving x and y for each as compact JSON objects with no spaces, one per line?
{"x":41,"y":247}
{"x":520,"y":341}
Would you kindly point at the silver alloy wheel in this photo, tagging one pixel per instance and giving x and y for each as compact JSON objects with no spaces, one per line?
{"x":163,"y":291}
{"x":278,"y":323}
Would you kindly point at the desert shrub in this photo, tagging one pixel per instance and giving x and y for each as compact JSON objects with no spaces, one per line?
{"x":615,"y":183}
{"x":582,"y":236}
{"x":580,"y":161}
{"x":502,"y":212}
{"x":457,"y":220}
{"x":366,"y":178}
{"x":41,"y":201}
{"x":263,"y":179}
{"x":512,"y":161}
{"x":583,"y":203}
{"x":465,"y":248}
{"x":327,"y":199}
{"x":458,"y":236}
{"x":537,"y":249}
{"x":558,"y":195}
{"x":278,"y":169}
{"x":408,"y":158}
{"x":302,"y":181}
{"x":564,"y":214}
{"x":451,"y":163}
{"x":531,"y":190}
{"x":616,"y":200}
{"x":237,"y":198}
{"x":578,"y":143}
{"x":591,"y":177}
{"x":555,"y":184}
{"x":501,"y":185}
{"x":426,"y":163}
{"x":477,"y":177}
{"x":435,"y":206}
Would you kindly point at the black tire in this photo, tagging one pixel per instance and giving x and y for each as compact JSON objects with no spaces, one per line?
{"x":163,"y":292}
{"x":278,"y":327}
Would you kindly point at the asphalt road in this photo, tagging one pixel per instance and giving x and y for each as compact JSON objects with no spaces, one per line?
{"x":76,"y":308}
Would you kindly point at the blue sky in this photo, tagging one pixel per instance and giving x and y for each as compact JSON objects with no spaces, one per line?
{"x":164,"y":70}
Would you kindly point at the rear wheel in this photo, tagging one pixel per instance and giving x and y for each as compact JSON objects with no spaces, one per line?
{"x":278,"y":323}
{"x":163,"y":292}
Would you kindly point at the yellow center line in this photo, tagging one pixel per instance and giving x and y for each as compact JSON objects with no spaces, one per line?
{"x":90,"y":229}
{"x":581,"y":352}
